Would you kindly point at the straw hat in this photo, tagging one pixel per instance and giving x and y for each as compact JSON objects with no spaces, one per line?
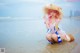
{"x":53,"y":7}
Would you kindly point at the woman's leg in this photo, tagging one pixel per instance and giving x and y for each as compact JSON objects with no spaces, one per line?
{"x":63,"y":35}
{"x":49,"y":38}
{"x":54,"y":37}
{"x":66,"y":37}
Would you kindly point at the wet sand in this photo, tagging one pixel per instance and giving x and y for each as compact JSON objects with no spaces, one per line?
{"x":28,"y":36}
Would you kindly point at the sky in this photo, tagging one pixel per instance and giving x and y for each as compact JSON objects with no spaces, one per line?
{"x":33,"y":8}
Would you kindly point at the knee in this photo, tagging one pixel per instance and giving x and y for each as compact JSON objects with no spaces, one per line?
{"x":48,"y":36}
{"x":54,"y":37}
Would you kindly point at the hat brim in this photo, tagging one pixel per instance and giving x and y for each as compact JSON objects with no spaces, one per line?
{"x":53,"y":7}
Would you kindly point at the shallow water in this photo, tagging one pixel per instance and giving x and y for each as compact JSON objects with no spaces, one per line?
{"x":28,"y":36}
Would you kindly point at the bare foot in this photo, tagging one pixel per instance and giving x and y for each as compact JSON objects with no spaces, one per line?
{"x":71,"y":37}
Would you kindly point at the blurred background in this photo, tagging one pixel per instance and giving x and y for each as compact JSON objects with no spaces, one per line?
{"x":32,"y":9}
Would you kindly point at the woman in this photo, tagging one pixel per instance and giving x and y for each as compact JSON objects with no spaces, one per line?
{"x":52,"y":17}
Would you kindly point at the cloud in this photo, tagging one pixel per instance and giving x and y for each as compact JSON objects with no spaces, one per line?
{"x":40,"y":1}
{"x":34,"y":1}
{"x":72,"y":0}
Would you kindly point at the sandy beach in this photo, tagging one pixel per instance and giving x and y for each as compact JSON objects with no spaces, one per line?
{"x":28,"y":36}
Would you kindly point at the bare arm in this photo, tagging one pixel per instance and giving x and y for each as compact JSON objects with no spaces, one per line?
{"x":46,"y":21}
{"x":57,"y":23}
